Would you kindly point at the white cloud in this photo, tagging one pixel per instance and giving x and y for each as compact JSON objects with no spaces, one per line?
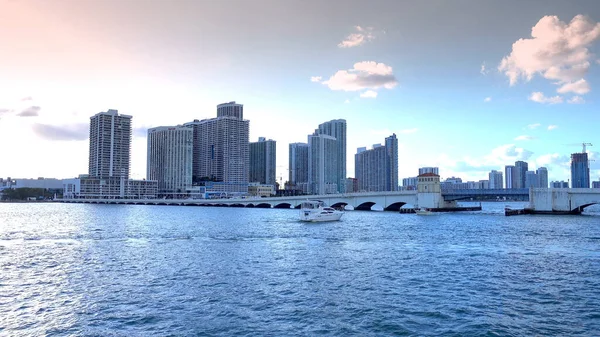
{"x":364,"y":75}
{"x":533,"y":126}
{"x":484,"y":71}
{"x":580,"y":87}
{"x":369,"y":94}
{"x":408,"y":131}
{"x":525,"y":137}
{"x":576,"y":100}
{"x":361,"y":36}
{"x":556,"y":51}
{"x":315,"y":78}
{"x":540,"y":98}
{"x":487,"y":99}
{"x":347,"y":101}
{"x":552,"y":127}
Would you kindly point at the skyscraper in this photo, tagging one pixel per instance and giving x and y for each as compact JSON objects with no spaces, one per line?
{"x":169,"y":158}
{"x":531,"y":179}
{"x":521,"y":169}
{"x":337,"y":129}
{"x":377,"y":169}
{"x":298,"y":166}
{"x":434,"y":170}
{"x":262,"y":161}
{"x":542,"y":175}
{"x":110,"y":145}
{"x":510,"y":176}
{"x":323,"y":169}
{"x":495,"y":179}
{"x":580,"y":170}
{"x":221,"y":150}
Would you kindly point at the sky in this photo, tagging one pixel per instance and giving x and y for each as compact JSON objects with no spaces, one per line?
{"x":467,"y":86}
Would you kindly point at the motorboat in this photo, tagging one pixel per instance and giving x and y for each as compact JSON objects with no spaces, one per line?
{"x":317,"y":210}
{"x":423,"y":211}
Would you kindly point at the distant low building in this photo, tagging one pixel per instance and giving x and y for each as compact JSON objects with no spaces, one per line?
{"x":559,"y":184}
{"x":596,"y":184}
{"x":89,"y":187}
{"x":261,"y":190}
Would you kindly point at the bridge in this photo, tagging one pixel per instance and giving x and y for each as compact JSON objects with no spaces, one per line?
{"x":561,"y":200}
{"x":389,"y":201}
{"x":508,"y":193}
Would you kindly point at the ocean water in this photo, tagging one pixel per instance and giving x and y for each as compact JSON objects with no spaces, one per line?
{"x":125,"y":270}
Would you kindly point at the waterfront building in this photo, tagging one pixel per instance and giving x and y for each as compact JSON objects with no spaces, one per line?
{"x":559,"y":184}
{"x":409,"y":184}
{"x":542,"y":175}
{"x":377,"y":169}
{"x":261,"y":190}
{"x":110,"y":144}
{"x":351,"y":185}
{"x":495,"y":179}
{"x":262,"y":161}
{"x":580,"y":170}
{"x":169,"y":159}
{"x":434,"y":170}
{"x":596,"y":184}
{"x":336,"y":157}
{"x":510,"y":176}
{"x":531,"y":179}
{"x":221,"y":156}
{"x":521,"y":169}
{"x":298,"y":167}
{"x":90,"y":187}
{"x":323,"y":173}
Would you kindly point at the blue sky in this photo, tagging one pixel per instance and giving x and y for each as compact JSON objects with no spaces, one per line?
{"x":463,"y":84}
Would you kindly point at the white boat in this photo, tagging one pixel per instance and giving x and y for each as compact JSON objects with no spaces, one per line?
{"x":317,"y":210}
{"x":423,"y":211}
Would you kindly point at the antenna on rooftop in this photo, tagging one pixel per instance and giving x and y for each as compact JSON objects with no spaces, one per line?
{"x":584,"y":144}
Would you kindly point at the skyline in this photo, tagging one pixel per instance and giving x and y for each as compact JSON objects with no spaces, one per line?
{"x":463,"y":95}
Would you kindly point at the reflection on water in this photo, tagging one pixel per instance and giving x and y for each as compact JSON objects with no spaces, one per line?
{"x":71,"y":269}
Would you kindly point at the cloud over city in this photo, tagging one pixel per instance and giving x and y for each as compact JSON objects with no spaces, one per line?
{"x":557,"y":51}
{"x":361,"y":35}
{"x":364,"y":75}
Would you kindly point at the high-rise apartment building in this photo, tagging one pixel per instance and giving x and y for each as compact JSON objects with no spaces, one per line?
{"x":377,"y":169}
{"x":169,"y":158}
{"x":434,"y":170}
{"x":110,"y":145}
{"x":298,"y":166}
{"x":580,"y":170}
{"x":510,"y":176}
{"x":323,"y":169}
{"x":531,"y":179}
{"x":337,"y":129}
{"x":542,"y":175}
{"x":495,"y":179}
{"x":521,"y":169}
{"x":559,"y":184}
{"x":262,"y":161}
{"x":221,"y":153}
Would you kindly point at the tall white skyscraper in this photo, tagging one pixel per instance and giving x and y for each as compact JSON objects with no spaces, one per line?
{"x":495,"y":179}
{"x":323,"y":168}
{"x":221,"y":149}
{"x":169,"y":158}
{"x":110,"y":145}
{"x":542,"y":175}
{"x":263,"y":161}
{"x":337,"y":159}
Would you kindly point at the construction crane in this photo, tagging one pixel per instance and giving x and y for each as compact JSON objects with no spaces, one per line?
{"x":584,"y":145}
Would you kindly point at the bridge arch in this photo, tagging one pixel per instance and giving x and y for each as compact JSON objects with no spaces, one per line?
{"x":285,"y":205}
{"x":395,"y":207}
{"x":365,"y":206}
